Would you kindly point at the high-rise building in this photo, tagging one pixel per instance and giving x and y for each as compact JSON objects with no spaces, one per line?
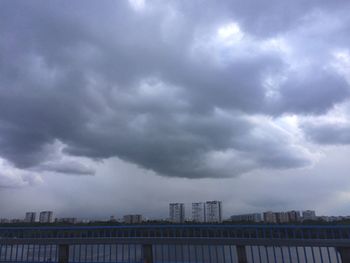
{"x":270,"y":217}
{"x":282,"y":217}
{"x":309,"y":215}
{"x":294,"y":216}
{"x":255,"y":217}
{"x":213,"y":211}
{"x":46,"y":217}
{"x":177,"y":212}
{"x":30,"y":217}
{"x":132,"y":219}
{"x":198,"y":212}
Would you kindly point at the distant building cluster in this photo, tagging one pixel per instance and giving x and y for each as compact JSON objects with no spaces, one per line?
{"x":254,"y":217}
{"x":210,"y":212}
{"x":330,"y":219}
{"x":66,"y":220}
{"x":132,"y":219}
{"x":201,"y":212}
{"x":44,"y":217}
{"x":277,"y":217}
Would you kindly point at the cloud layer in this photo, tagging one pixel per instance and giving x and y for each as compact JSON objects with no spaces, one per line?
{"x":197,"y":89}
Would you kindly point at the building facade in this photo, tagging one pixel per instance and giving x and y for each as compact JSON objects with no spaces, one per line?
{"x":254,"y":217}
{"x":270,"y":217}
{"x":294,"y":216}
{"x":198,"y":212}
{"x":282,"y":217}
{"x":46,"y":217}
{"x":30,"y":217}
{"x":132,"y":219}
{"x":309,"y":215}
{"x":177,"y":212}
{"x":66,"y":220}
{"x":213,"y":211}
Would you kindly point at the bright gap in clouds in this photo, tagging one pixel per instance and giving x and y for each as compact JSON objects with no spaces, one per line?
{"x":341,"y":63}
{"x":137,"y":4}
{"x":230,"y":33}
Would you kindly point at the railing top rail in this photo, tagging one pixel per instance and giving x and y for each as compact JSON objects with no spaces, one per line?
{"x":177,"y":226}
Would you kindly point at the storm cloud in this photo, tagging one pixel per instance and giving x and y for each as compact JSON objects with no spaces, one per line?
{"x":183,"y":88}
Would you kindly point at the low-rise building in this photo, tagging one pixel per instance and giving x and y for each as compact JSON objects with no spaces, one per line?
{"x":16,"y":220}
{"x":324,"y":218}
{"x":254,"y":217}
{"x":67,"y":220}
{"x":132,"y":219}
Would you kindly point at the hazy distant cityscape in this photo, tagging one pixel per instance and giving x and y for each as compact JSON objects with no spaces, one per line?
{"x":201,"y":212}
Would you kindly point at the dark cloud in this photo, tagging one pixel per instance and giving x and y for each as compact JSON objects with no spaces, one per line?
{"x":328,"y":133}
{"x":263,"y":19}
{"x":269,"y":18}
{"x":67,"y":167}
{"x":311,"y":91}
{"x":155,"y":87}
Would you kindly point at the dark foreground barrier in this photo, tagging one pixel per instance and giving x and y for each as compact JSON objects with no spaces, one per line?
{"x":176,"y":243}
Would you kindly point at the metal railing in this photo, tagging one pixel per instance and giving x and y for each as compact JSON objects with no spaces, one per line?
{"x":183,"y":231}
{"x":176,"y":243}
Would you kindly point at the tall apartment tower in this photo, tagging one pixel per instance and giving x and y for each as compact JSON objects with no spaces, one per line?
{"x":282,"y":217}
{"x":198,"y":212}
{"x":46,"y":217}
{"x":177,"y":212}
{"x":30,"y":217}
{"x":270,"y":217}
{"x":294,"y":216}
{"x":213,"y":211}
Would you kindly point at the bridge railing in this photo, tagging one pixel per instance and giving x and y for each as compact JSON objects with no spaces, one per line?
{"x":176,"y":243}
{"x":182,"y":231}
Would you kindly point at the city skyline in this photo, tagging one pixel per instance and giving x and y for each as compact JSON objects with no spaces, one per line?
{"x":200,"y":212}
{"x":192,"y":211}
{"x":125,"y":106}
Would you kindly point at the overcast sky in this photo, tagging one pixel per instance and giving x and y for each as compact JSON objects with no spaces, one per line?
{"x":115,"y":107}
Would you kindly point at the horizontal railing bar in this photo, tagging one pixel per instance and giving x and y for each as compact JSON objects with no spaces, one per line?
{"x":176,"y":226}
{"x":192,"y":241}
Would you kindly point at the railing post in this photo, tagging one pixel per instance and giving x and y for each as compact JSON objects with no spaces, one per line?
{"x":147,"y":253}
{"x":241,"y":254}
{"x":63,"y":253}
{"x":344,"y":253}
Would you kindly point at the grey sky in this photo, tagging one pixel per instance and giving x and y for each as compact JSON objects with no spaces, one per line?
{"x":104,"y":105}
